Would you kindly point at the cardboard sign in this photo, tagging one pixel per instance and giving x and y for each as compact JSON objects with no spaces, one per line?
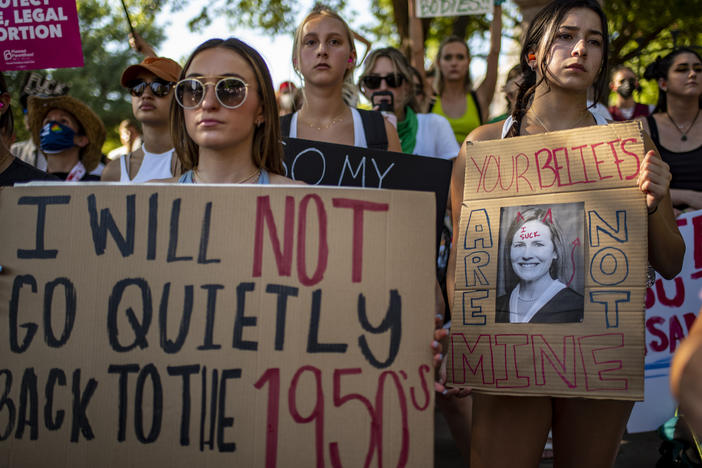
{"x":431,"y":8}
{"x":553,"y":234}
{"x":320,"y":163}
{"x":671,"y":308}
{"x":37,"y":34}
{"x":213,"y":326}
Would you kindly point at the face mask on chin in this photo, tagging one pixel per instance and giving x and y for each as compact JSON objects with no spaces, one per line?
{"x":56,"y":137}
{"x":627,"y":88}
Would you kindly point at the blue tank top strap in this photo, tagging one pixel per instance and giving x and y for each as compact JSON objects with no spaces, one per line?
{"x":264,"y":179}
{"x":186,"y":178}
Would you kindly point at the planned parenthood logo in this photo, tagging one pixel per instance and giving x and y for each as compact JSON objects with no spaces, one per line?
{"x":16,"y":56}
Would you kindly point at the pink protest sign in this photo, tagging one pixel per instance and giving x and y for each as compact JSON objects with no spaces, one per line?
{"x":37,"y":34}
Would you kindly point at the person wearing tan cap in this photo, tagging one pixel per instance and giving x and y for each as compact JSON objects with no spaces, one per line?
{"x":150,"y":83}
{"x":69,"y":133}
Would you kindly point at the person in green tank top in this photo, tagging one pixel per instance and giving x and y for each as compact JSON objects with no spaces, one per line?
{"x":463,"y":107}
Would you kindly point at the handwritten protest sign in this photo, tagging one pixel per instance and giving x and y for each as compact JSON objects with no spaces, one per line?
{"x":553,"y":234}
{"x":321,"y":163}
{"x":671,"y":308}
{"x":215,"y":326}
{"x":37,"y":34}
{"x":431,"y":8}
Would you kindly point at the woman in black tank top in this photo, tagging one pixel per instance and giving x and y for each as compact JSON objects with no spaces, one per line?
{"x":676,"y":125}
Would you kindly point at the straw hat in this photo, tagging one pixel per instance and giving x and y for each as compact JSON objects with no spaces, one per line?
{"x":38,"y":107}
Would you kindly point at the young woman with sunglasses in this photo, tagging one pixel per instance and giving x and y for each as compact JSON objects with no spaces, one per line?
{"x":150,"y":83}
{"x":676,"y":125}
{"x":224,"y":120}
{"x":325,"y":56}
{"x":564,"y":54}
{"x":388,"y":71}
{"x":464,"y":107}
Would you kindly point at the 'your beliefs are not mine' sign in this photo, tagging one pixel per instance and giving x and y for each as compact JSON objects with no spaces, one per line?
{"x":551,"y":266}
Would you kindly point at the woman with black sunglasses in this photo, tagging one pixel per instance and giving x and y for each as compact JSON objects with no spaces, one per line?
{"x":224,"y":120}
{"x":464,"y":107}
{"x":387,"y":74}
{"x":325,"y":56}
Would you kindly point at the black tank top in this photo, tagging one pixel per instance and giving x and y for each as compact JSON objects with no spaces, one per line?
{"x":685,"y":167}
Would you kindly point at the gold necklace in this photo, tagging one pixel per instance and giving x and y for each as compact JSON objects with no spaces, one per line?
{"x":541,"y":122}
{"x":240,"y":181}
{"x":683,"y":135}
{"x":331,"y":123}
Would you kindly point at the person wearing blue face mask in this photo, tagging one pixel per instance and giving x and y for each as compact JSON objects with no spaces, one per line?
{"x":69,"y":133}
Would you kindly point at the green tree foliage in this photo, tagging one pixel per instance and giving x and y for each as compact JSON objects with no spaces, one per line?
{"x":270,"y":16}
{"x":641,"y":30}
{"x":106,"y":53}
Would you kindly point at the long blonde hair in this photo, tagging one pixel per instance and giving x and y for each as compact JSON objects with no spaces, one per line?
{"x":320,"y":9}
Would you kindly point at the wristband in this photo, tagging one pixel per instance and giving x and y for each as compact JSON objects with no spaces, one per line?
{"x":499,"y":2}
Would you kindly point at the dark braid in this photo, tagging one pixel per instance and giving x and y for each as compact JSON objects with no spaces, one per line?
{"x":526,"y":91}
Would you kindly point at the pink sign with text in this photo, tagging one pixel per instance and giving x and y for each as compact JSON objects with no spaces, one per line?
{"x":38,"y":34}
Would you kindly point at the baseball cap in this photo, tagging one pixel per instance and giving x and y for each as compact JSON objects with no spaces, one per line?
{"x":162,"y":67}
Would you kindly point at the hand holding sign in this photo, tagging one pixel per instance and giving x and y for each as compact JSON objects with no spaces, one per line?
{"x":654,"y":180}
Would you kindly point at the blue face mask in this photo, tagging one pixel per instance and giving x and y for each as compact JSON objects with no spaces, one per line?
{"x":56,"y":137}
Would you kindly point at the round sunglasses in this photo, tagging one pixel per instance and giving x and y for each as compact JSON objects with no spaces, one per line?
{"x":231,"y":92}
{"x":393,"y":80}
{"x":159,"y":88}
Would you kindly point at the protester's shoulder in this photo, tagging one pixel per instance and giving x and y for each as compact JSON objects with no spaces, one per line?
{"x":19,"y":172}
{"x":491,"y":131}
{"x":112,"y":172}
{"x":431,"y":117}
{"x":169,"y":180}
{"x":276,"y":179}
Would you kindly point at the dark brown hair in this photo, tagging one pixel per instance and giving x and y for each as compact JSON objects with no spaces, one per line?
{"x":266,"y":148}
{"x":545,"y":25}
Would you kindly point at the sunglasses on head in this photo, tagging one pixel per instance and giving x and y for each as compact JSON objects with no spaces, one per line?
{"x":230,"y":91}
{"x":394,"y":80}
{"x":159,"y":88}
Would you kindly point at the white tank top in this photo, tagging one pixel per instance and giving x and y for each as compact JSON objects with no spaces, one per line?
{"x":359,"y":135}
{"x":599,"y":120}
{"x":153,"y":166}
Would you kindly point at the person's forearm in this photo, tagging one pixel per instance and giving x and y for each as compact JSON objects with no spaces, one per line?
{"x":691,"y":198}
{"x":666,"y":248}
{"x":686,"y":377}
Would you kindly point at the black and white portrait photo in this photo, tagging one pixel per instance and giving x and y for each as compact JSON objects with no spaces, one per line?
{"x":541,"y":264}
